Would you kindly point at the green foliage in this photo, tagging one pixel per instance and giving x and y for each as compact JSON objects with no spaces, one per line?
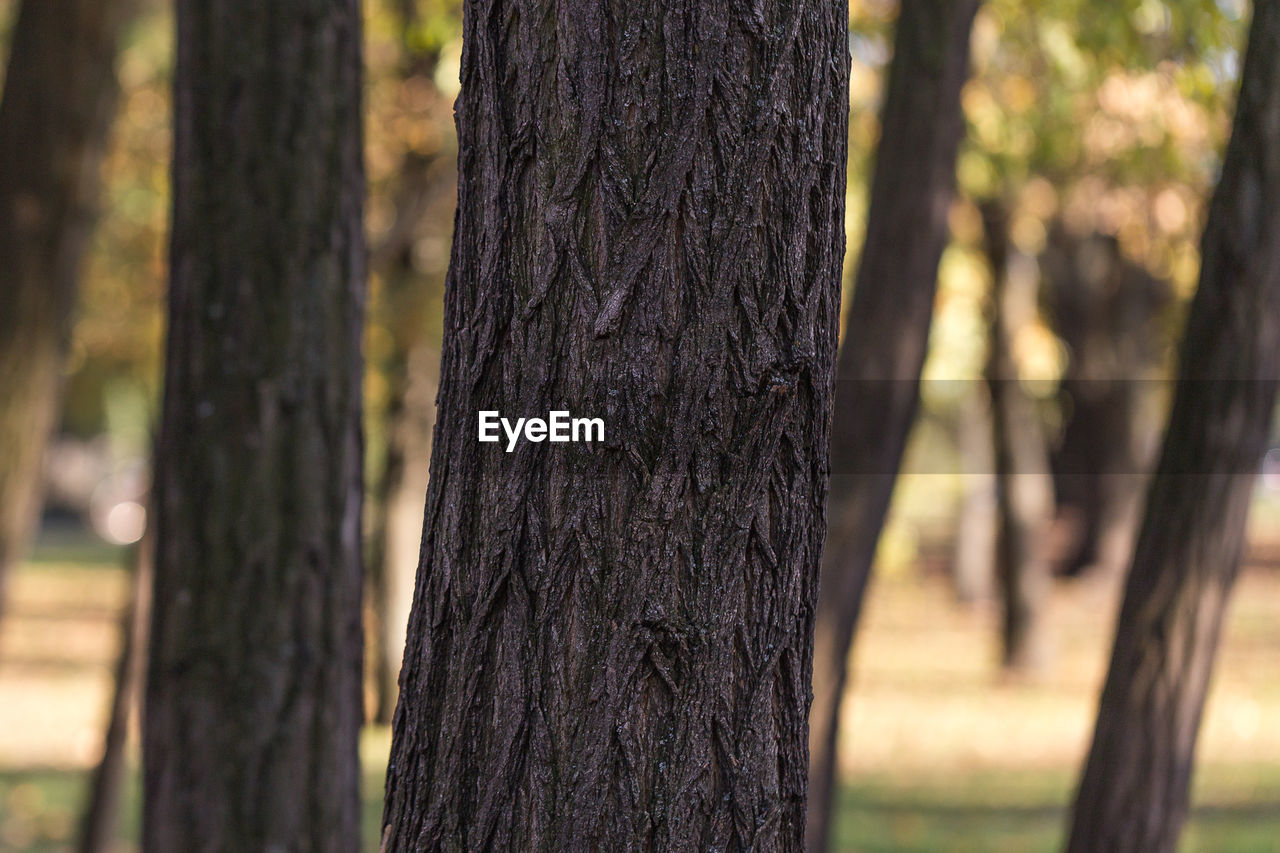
{"x":1106,"y":117}
{"x":433,"y":26}
{"x":116,"y":341}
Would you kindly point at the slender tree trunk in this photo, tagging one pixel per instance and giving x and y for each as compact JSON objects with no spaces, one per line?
{"x":1133,"y":795}
{"x":425,"y":182}
{"x":253,"y":697}
{"x":885,"y":339}
{"x":973,"y":569}
{"x":610,"y":642}
{"x":1024,"y":486}
{"x":397,"y":529}
{"x":55,"y":116}
{"x":101,"y":814}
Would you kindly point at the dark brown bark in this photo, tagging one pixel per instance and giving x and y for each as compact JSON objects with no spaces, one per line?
{"x":885,"y":339}
{"x":101,"y":813}
{"x":59,"y":100}
{"x":1133,"y":795}
{"x":609,"y":645}
{"x":1024,"y":486}
{"x":253,"y":696}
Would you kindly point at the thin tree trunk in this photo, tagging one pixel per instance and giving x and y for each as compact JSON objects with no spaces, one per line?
{"x":885,"y":340}
{"x":253,"y":692}
{"x":974,"y":562}
{"x":609,"y":646}
{"x":377,"y":656}
{"x":1024,"y":486}
{"x":101,"y":814}
{"x":1134,"y":792}
{"x":425,"y":183}
{"x":397,"y":529}
{"x":59,"y":100}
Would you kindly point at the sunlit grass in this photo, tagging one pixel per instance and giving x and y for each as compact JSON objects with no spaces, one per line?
{"x":1025,"y":810}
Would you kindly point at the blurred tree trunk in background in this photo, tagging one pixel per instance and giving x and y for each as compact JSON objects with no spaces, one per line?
{"x":610,"y":642}
{"x":101,"y":813}
{"x":974,"y":553}
{"x":885,"y":340}
{"x":426,"y":187}
{"x":59,"y":100}
{"x":1024,"y":486}
{"x":253,"y":693}
{"x":396,"y":530}
{"x":1105,"y":309}
{"x":1134,"y":792}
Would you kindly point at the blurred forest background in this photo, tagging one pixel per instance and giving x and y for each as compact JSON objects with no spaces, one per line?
{"x":1097,"y":128}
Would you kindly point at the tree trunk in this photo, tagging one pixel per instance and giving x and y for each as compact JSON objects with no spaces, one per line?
{"x":609,"y":645}
{"x":1105,"y":310}
{"x":397,"y":528}
{"x":425,"y":183}
{"x":974,"y":560}
{"x":1024,"y":486}
{"x":55,"y":116}
{"x":885,"y":340}
{"x":1134,"y":792}
{"x":101,"y":814}
{"x":253,"y":698}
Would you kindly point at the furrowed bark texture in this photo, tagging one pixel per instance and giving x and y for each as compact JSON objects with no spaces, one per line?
{"x":59,"y":100}
{"x":885,"y":339}
{"x":1134,"y":792}
{"x":609,"y":645}
{"x":253,"y":697}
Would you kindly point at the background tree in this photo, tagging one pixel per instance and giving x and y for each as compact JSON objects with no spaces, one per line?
{"x":885,"y":341}
{"x":976,"y":536}
{"x":1135,"y":788}
{"x":1024,"y":487}
{"x":100,"y":815}
{"x":405,"y":330}
{"x":1097,"y":126}
{"x":1107,"y":311}
{"x":253,"y":694}
{"x":59,"y":99}
{"x":609,"y":642}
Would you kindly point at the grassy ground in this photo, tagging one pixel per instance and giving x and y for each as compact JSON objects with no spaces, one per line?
{"x":942,"y":755}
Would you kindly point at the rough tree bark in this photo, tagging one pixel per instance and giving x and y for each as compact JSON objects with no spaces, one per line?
{"x":253,"y":697}
{"x":886,"y":336}
{"x":609,"y":645}
{"x":1134,"y":791}
{"x":1024,"y":486}
{"x":59,"y":100}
